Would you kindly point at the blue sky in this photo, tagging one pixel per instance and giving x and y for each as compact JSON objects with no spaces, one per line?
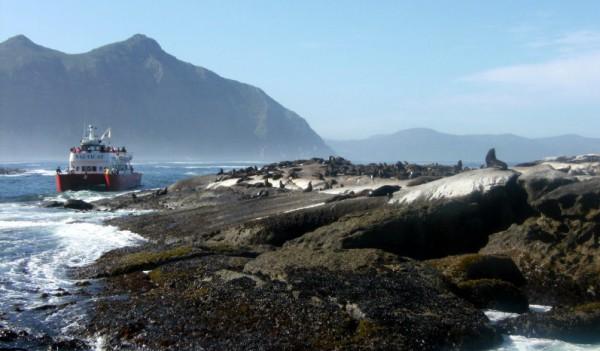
{"x":357,"y":68}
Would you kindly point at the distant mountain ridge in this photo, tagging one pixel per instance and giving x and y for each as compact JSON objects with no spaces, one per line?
{"x":428,"y":145}
{"x":159,"y":106}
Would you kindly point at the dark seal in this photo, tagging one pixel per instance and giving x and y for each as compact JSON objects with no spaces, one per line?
{"x":492,"y":162}
{"x":385,"y":190}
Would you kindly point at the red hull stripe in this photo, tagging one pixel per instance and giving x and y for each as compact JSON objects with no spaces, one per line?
{"x":98,"y":181}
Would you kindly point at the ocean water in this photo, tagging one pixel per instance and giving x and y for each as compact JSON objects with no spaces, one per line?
{"x":38,"y":247}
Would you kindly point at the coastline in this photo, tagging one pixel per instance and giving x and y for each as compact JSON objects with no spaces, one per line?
{"x":343,"y":260}
{"x":235,"y":261}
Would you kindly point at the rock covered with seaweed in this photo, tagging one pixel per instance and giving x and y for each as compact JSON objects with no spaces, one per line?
{"x":324,"y":254}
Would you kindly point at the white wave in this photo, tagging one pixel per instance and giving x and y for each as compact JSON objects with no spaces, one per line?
{"x":32,"y":172}
{"x":496,"y":316}
{"x":43,"y":172}
{"x":85,"y":195}
{"x":12,"y":175}
{"x":24,"y":224}
{"x":100,"y":343}
{"x":78,"y":244}
{"x":522,"y":343}
{"x":540,"y":308}
{"x":54,"y":240}
{"x":82,"y":243}
{"x":191,"y":173}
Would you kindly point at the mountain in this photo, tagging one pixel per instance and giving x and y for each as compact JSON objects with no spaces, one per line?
{"x":427,"y":145}
{"x":157,"y":105}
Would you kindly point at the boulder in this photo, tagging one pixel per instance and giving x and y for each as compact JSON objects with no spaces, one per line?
{"x":579,"y":324}
{"x":470,"y":183}
{"x":487,"y":281}
{"x":78,"y":205}
{"x":282,"y":227}
{"x":493,"y":294}
{"x":7,"y":335}
{"x":438,"y":221}
{"x":560,"y":259}
{"x":53,"y":204}
{"x":576,"y":200}
{"x":476,"y":266}
{"x":540,"y":180}
{"x":10,"y":171}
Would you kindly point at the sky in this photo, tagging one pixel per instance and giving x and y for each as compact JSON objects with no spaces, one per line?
{"x":356,"y":68}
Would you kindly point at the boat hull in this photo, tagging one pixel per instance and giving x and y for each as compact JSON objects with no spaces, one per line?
{"x":97,"y":181}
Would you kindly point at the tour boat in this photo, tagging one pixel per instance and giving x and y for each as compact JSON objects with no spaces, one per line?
{"x":93,"y":165}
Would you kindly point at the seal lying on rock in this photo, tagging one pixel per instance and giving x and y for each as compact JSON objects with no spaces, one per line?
{"x":78,"y":205}
{"x":492,"y":162}
{"x":385,"y":190}
{"x":309,"y":188}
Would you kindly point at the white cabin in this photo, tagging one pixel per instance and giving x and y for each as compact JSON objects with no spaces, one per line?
{"x":93,"y":156}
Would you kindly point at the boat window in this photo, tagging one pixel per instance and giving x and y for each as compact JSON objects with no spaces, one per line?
{"x":94,"y":168}
{"x":77,"y":168}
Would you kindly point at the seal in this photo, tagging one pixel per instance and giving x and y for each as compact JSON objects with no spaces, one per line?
{"x":492,"y":162}
{"x":385,"y":190}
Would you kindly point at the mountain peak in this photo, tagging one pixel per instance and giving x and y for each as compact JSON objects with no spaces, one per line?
{"x":138,"y":44}
{"x":142,"y":41}
{"x":161,"y":104}
{"x":19,"y":40}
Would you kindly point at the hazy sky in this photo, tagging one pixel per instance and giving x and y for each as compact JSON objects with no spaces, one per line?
{"x":356,"y":68}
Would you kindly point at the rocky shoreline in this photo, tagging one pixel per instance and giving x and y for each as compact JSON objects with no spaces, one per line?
{"x":324,"y":254}
{"x":10,"y":171}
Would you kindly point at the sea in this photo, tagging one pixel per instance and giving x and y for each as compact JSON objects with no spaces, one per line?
{"x":39,"y":246}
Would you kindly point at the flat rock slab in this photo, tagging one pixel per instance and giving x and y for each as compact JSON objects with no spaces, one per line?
{"x":463,"y":184}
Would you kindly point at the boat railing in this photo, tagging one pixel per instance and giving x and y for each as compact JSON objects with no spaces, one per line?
{"x":104,"y":149}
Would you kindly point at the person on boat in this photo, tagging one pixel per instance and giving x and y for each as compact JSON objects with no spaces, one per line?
{"x":58,"y":170}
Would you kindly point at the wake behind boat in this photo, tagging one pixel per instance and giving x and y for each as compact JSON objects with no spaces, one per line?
{"x":96,"y":166}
